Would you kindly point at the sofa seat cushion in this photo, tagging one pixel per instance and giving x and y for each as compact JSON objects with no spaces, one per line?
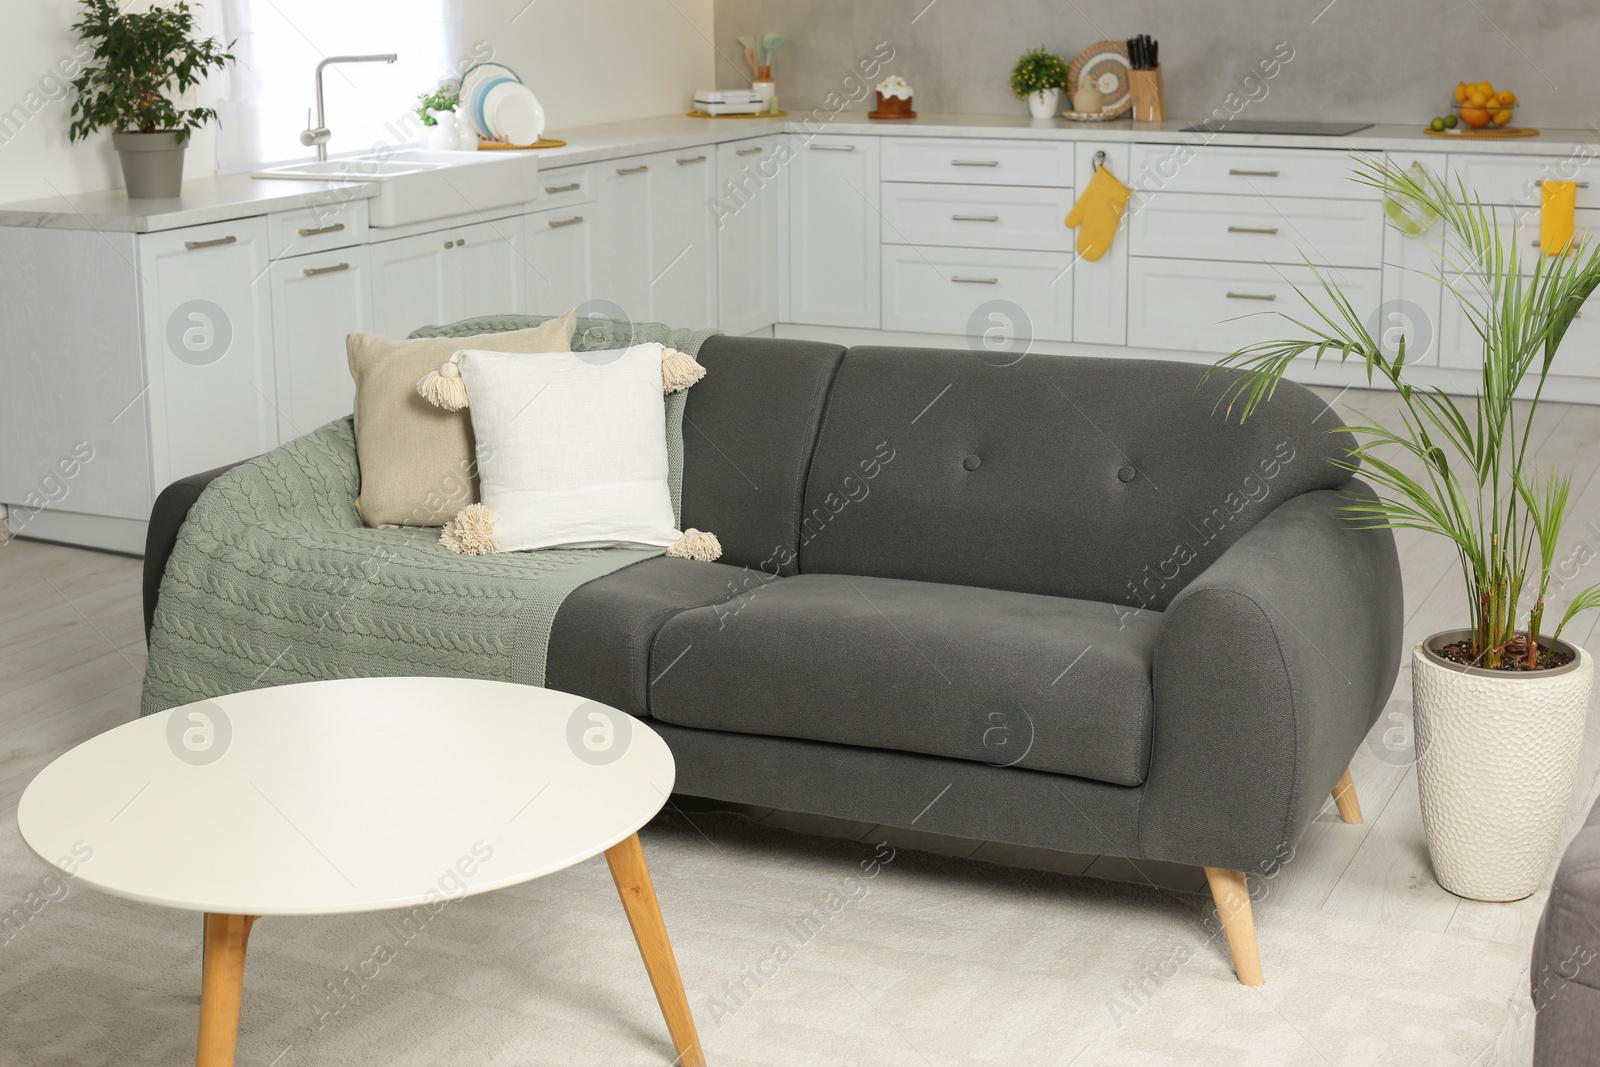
{"x":600,"y":641}
{"x":1010,"y":679}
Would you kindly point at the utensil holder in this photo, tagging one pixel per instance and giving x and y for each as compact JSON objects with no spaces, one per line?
{"x":1149,"y":95}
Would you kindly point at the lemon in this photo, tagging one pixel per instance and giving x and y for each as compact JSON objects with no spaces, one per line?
{"x":1451,"y":122}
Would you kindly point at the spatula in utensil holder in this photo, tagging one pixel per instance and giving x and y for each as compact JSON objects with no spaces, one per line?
{"x":1149,"y":95}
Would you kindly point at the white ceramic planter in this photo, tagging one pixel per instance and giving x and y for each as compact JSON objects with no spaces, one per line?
{"x":1043,"y":104}
{"x":1497,"y":754}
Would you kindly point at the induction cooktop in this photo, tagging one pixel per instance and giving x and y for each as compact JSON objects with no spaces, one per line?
{"x":1300,"y":129}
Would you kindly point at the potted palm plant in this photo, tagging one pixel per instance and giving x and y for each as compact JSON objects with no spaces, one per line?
{"x":1500,"y":705}
{"x":141,"y":62}
{"x":1038,"y":78}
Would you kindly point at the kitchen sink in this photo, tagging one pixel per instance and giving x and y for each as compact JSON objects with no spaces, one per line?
{"x":416,"y":185}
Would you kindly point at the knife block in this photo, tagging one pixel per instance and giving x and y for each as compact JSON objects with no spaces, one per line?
{"x":1149,"y":95}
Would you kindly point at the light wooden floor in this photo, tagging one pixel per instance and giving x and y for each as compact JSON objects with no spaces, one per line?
{"x":72,"y":654}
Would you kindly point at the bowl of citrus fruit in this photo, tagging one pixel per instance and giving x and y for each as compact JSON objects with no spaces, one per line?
{"x":1479,"y":105}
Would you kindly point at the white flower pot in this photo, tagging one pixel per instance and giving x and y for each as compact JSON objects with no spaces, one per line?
{"x":1042,"y":104}
{"x":1497,"y":754}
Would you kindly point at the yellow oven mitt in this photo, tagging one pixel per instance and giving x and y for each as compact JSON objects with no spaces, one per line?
{"x":1557,"y":201}
{"x":1097,"y":213}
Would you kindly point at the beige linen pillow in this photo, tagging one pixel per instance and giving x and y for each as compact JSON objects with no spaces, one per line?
{"x":417,"y":465}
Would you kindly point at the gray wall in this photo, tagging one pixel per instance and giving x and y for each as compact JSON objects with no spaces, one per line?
{"x":1372,"y":60}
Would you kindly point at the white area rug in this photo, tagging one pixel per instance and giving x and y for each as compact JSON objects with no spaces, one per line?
{"x":791,"y":955}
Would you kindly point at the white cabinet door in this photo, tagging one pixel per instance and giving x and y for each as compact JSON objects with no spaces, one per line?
{"x":1412,"y":297}
{"x":560,"y":268}
{"x":835,"y":252}
{"x":625,"y":211}
{"x":316,"y":301}
{"x":1100,"y":287}
{"x":409,"y":283}
{"x":483,"y":272}
{"x":208,"y":346}
{"x":752,"y":213}
{"x":683,"y":238}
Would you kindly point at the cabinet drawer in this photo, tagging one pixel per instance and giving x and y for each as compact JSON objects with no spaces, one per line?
{"x":1578,"y":355}
{"x":937,"y":290}
{"x":1163,"y":168}
{"x":565,"y":187}
{"x":336,"y":224}
{"x":1257,"y":229}
{"x":970,"y":161}
{"x":964,"y":216}
{"x":1214,"y":307}
{"x":1515,"y":180}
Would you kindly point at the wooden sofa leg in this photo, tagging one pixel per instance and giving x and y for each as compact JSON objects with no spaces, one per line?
{"x":1228,"y":889}
{"x":1344,"y":798}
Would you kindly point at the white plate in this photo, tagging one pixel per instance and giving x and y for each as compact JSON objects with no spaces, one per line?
{"x":513,"y":113}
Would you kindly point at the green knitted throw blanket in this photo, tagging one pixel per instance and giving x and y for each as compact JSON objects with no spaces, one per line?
{"x":274,"y":579}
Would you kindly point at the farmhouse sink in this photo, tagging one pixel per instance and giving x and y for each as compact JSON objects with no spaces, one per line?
{"x":416,"y":186}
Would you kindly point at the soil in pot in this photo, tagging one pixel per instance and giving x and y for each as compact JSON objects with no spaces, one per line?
{"x":1514,"y":659}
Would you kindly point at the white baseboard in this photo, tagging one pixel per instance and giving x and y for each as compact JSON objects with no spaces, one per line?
{"x":87,"y":531}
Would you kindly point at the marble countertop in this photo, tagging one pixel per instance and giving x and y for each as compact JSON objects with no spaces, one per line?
{"x":237,"y":196}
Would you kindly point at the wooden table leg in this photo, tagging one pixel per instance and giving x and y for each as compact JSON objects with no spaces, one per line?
{"x":221,"y":988}
{"x":628,"y":870}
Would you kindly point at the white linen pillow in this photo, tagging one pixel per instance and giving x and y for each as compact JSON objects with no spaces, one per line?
{"x":572,"y":447}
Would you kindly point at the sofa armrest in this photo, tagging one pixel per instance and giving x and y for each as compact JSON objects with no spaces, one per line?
{"x":166,"y":518}
{"x":1271,"y":667}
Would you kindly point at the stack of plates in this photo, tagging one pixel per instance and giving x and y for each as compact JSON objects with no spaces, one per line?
{"x":499,"y":106}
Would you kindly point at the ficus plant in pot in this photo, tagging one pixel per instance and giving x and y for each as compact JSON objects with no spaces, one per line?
{"x":1038,"y":78}
{"x":1500,"y":703}
{"x":142,"y":62}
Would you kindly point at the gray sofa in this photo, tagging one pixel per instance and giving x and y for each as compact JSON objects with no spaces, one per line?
{"x":1566,"y":954}
{"x":1061,"y":603}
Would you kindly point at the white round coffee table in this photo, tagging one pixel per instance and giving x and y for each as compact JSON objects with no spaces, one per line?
{"x":357,"y":795}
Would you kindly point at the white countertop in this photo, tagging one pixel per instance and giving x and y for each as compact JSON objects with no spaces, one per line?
{"x":239,"y":196}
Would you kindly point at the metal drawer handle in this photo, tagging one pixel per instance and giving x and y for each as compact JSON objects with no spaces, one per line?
{"x":975,"y":218}
{"x":832,"y":147}
{"x":556,"y":224}
{"x":192,"y":245}
{"x":1254,"y":173}
{"x":461,"y":242}
{"x":1580,"y":185}
{"x":640,"y":169}
{"x":569,"y":187}
{"x":311,"y":272}
{"x":974,"y":162}
{"x":748,"y":151}
{"x":335,"y":228}
{"x":1252,"y":296}
{"x":449,"y":244}
{"x":1269,"y":230}
{"x":691,"y":159}
{"x":974,"y":281}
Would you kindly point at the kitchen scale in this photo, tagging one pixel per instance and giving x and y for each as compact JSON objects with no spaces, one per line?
{"x":1291,"y":129}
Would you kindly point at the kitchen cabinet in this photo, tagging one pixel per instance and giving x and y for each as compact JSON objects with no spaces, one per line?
{"x":624,"y":218}
{"x":317,"y":300}
{"x":752,"y":220}
{"x":683,"y":238}
{"x":561,"y":259}
{"x":1100,"y":287}
{"x":835,"y":246}
{"x":1413,"y":298}
{"x":449,"y":274}
{"x":207,"y":311}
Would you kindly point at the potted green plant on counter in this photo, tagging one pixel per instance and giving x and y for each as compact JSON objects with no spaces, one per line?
{"x":1499,"y":705}
{"x":141,"y":63}
{"x":1038,"y":78}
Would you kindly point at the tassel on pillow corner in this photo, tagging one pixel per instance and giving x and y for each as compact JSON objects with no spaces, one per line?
{"x":696,"y":545}
{"x":679,"y":370}
{"x":471,"y":532}
{"x":443,"y":388}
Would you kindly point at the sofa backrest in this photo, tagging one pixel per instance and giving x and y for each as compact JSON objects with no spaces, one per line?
{"x":1101,"y":479}
{"x":748,"y":432}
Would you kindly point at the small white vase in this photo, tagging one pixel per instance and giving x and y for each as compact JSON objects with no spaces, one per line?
{"x":1497,"y":755}
{"x":1042,"y":104}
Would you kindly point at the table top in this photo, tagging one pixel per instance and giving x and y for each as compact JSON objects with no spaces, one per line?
{"x":348,"y":795}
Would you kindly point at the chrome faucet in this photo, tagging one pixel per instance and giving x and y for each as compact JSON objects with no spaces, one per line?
{"x":319,"y":134}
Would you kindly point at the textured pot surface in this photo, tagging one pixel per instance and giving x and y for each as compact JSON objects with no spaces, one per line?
{"x":152,"y":164}
{"x":1497,"y":754}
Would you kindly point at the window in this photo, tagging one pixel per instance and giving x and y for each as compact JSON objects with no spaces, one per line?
{"x":280,"y":42}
